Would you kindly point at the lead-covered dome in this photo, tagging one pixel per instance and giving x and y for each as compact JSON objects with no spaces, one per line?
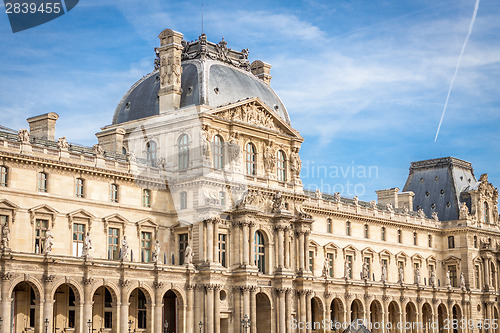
{"x":212,"y":75}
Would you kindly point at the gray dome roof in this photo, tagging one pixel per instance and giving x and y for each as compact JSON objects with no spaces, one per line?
{"x":203,"y":82}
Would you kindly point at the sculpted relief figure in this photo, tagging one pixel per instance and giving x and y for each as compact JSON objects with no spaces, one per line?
{"x":383,"y":277}
{"x":464,"y":211}
{"x":5,"y":237}
{"x":205,"y":145}
{"x":366,"y":271}
{"x":462,"y":281}
{"x":188,"y":256}
{"x":326,"y":268}
{"x":296,"y":163}
{"x":432,"y":279}
{"x":448,"y":279}
{"x":47,"y":248}
{"x":156,"y":252}
{"x":401,"y":274}
{"x":390,"y":208}
{"x":278,"y":202}
{"x":347,"y":270}
{"x":234,"y":150}
{"x":23,"y":136}
{"x":373,"y":204}
{"x":421,"y":213}
{"x":269,"y":158}
{"x":124,"y":250}
{"x":97,"y":149}
{"x":336,"y":197}
{"x":87,"y":245}
{"x":417,"y":275}
{"x":435,"y":216}
{"x":62,"y":143}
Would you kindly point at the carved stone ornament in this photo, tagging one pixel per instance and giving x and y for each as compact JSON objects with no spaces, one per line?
{"x":336,"y":197}
{"x":301,"y":213}
{"x":62,"y":143}
{"x":278,"y":203}
{"x":390,"y":208}
{"x":251,"y":113}
{"x":5,"y":241}
{"x":269,"y":158}
{"x":421,"y":213}
{"x":355,"y":201}
{"x":295,"y":162}
{"x":23,"y":136}
{"x":97,"y":149}
{"x":435,"y":216}
{"x":464,"y":211}
{"x":373,"y":204}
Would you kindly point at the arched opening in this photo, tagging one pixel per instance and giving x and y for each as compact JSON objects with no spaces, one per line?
{"x":427,"y":318}
{"x":393,"y":317}
{"x":66,"y":300}
{"x":486,"y":213}
{"x":260,"y":251}
{"x":263,"y":305}
{"x":442,"y":316}
{"x":104,"y":310}
{"x":183,"y":154}
{"x":25,"y":309}
{"x":316,"y":312}
{"x":251,"y":159}
{"x":337,"y":311}
{"x":411,"y":318}
{"x":356,"y":310}
{"x":170,"y":311}
{"x":457,"y":315}
{"x":281,"y":166}
{"x":375,"y":317}
{"x":138,"y":310}
{"x":218,"y":152}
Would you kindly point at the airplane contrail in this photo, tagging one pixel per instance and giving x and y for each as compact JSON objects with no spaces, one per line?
{"x":458,"y":65}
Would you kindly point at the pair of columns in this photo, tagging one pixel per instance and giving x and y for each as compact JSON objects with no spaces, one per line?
{"x":209,"y":252}
{"x":303,"y":239}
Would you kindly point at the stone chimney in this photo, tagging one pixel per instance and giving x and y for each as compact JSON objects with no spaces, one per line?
{"x":388,"y":196}
{"x":261,"y":70}
{"x":111,"y":140}
{"x":169,"y":53}
{"x":43,"y":126}
{"x":405,"y":199}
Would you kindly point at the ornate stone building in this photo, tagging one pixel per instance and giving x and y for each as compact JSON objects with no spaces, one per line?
{"x":190,"y":216}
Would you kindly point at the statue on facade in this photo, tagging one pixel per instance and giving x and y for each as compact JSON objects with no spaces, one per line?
{"x":296,"y":163}
{"x":365,"y":271}
{"x":131,"y":157}
{"x":156,"y":252}
{"x":448,"y":279}
{"x":347,"y":270}
{"x":205,"y":145}
{"x":326,"y":268}
{"x":278,"y":203}
{"x":336,"y":197}
{"x":464,"y":211}
{"x":233,"y":148}
{"x":383,"y":276}
{"x":406,"y":210}
{"x":124,"y":250}
{"x":5,"y":237}
{"x":401,"y":274}
{"x":188,"y":256}
{"x":269,"y":158}
{"x":47,"y":247}
{"x":97,"y":149}
{"x":432,"y":279}
{"x":23,"y":135}
{"x":62,"y":143}
{"x":417,"y":276}
{"x":420,"y":213}
{"x":373,"y":204}
{"x":435,"y":216}
{"x":389,"y":208}
{"x":462,"y":281}
{"x":318,"y":194}
{"x":355,"y":201}
{"x":87,"y":245}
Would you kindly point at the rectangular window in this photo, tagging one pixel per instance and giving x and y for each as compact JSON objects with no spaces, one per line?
{"x":78,"y":238}
{"x":113,"y":193}
{"x":329,"y":258}
{"x":146,"y":198}
{"x":183,"y":200}
{"x":348,"y":228}
{"x":451,"y":242}
{"x":145,"y":247}
{"x":183,"y":243}
{"x":42,"y":182}
{"x":79,"y":188}
{"x":477,"y":277}
{"x":349,"y":264}
{"x":415,"y":239}
{"x":311,"y":261}
{"x":222,"y":198}
{"x":41,"y":228}
{"x":3,"y":175}
{"x":400,"y":236}
{"x":113,"y":243}
{"x":366,"y":231}
{"x":222,"y":249}
{"x":453,"y":275}
{"x":329,"y":225}
{"x":108,"y":319}
{"x":382,"y":234}
{"x":429,"y":238}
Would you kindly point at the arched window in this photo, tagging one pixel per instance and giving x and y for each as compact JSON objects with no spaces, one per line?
{"x":183,"y":152}
{"x":151,"y":154}
{"x":486,"y":213}
{"x":382,"y":234}
{"x":329,"y":225}
{"x":281,"y":170}
{"x":260,"y":251}
{"x":251,"y":158}
{"x":218,"y":152}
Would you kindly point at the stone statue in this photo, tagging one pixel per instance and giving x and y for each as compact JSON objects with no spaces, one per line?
{"x":205,"y":146}
{"x":347,"y":270}
{"x":97,"y":149}
{"x":406,"y":210}
{"x":336,"y":197}
{"x":124,"y":252}
{"x":365,"y":271}
{"x":278,"y":202}
{"x":296,"y":163}
{"x":417,"y":276}
{"x":448,"y":279}
{"x":355,"y":200}
{"x":131,"y":157}
{"x":326,"y":268}
{"x":401,"y":274}
{"x":188,"y":256}
{"x":62,"y":143}
{"x":464,"y":211}
{"x":462,"y":281}
{"x":383,"y":277}
{"x":432,"y":279}
{"x":420,"y":213}
{"x":23,"y":136}
{"x":373,"y":204}
{"x":389,"y":208}
{"x":156,"y":252}
{"x":435,"y":216}
{"x":47,"y":247}
{"x":269,"y":158}
{"x":5,"y":237}
{"x":318,"y":194}
{"x":233,"y":148}
{"x":87,"y":245}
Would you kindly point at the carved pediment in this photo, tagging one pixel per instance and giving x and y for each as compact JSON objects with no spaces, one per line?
{"x":43,"y":211}
{"x":7,"y":206}
{"x":114,"y":219}
{"x":255,"y":112}
{"x":146,"y":224}
{"x":80,"y":214}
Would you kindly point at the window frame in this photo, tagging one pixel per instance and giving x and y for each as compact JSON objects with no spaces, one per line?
{"x":152,"y":152}
{"x":218,"y":152}
{"x":260,"y":251}
{"x":80,"y":187}
{"x":4,"y":176}
{"x":251,"y":159}
{"x":39,"y":237}
{"x":183,"y":200}
{"x":146,"y":198}
{"x":451,"y":242}
{"x":281,"y":166}
{"x":111,"y":255}
{"x":183,"y":241}
{"x":183,"y":152}
{"x":222,"y":243}
{"x":348,"y":228}
{"x":113,"y":192}
{"x":383,"y":234}
{"x":146,"y":246}
{"x":42,"y":183}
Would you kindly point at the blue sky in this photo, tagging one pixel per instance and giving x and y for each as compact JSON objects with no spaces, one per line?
{"x":363,"y":81}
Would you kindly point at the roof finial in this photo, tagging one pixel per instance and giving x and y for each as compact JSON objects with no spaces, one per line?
{"x":202,"y":17}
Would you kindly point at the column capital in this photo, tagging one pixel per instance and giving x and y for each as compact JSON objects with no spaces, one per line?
{"x":280,"y":290}
{"x":158,"y":284}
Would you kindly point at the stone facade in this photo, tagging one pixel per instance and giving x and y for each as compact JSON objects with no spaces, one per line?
{"x":192,"y":219}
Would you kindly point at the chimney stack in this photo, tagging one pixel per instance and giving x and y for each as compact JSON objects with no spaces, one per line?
{"x":112,"y":139}
{"x":388,"y":196}
{"x":261,"y":70}
{"x":169,"y":53}
{"x":43,"y":126}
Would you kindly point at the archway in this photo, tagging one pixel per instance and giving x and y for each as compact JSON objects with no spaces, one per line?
{"x":66,"y":301}
{"x":427,"y":318}
{"x":170,"y":311}
{"x":393,"y":317}
{"x":25,"y":312}
{"x":316,"y":313}
{"x":263,"y":313}
{"x":104,"y":310}
{"x":139,"y":310}
{"x":442,"y":316}
{"x":375,"y":324}
{"x":457,"y":315}
{"x":411,"y":318}
{"x":356,"y":310}
{"x":337,"y":312}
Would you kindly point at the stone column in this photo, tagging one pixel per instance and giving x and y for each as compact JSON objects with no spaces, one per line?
{"x":306,"y":249}
{"x":253,"y":309}
{"x":210,"y":241}
{"x":124,"y":307}
{"x":287,"y":248}
{"x":48,"y":305}
{"x":486,"y":271}
{"x":6,"y":304}
{"x":489,"y":313}
{"x":300,"y":237}
{"x":88,"y":301}
{"x":216,"y":241}
{"x":201,"y":241}
{"x":217,"y":308}
{"x":190,"y":308}
{"x":289,"y":305}
{"x":158,"y":313}
{"x":403,"y":317}
{"x":303,"y":315}
{"x":282,"y":314}
{"x":199,"y":314}
{"x":435,"y":314}
{"x":281,"y":249}
{"x":246,"y":301}
{"x":385,"y":313}
{"x":209,"y":310}
{"x":168,"y":249}
{"x":252,"y":245}
{"x":245,"y":243}
{"x":419,"y":317}
{"x":308,"y":308}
